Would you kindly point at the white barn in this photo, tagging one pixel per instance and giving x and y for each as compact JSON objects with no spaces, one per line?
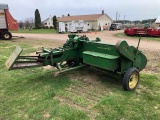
{"x":94,"y":21}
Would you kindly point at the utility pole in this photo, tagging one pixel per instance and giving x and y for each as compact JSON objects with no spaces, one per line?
{"x":124,"y":19}
{"x":116,"y":16}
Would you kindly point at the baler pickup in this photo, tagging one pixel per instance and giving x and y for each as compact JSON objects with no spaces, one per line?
{"x":79,"y":51}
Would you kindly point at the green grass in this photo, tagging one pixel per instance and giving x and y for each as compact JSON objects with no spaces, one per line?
{"x":126,"y":105}
{"x":37,"y":31}
{"x":37,"y":94}
{"x":122,"y":35}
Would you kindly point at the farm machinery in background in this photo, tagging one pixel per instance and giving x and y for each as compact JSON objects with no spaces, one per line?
{"x":7,"y":23}
{"x":79,"y":51}
{"x":73,"y":27}
{"x":146,"y":31}
{"x":116,"y":26}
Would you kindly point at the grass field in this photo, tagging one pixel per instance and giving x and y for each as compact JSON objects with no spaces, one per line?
{"x":83,"y":94}
{"x":38,"y":31}
{"x":122,"y":35}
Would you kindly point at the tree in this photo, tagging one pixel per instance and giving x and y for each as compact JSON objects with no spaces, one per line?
{"x":31,"y":21}
{"x":68,"y":14}
{"x":21,"y":24}
{"x":137,"y":22}
{"x":37,"y":19}
{"x":27,"y":24}
{"x":148,"y":21}
{"x":55,"y":22}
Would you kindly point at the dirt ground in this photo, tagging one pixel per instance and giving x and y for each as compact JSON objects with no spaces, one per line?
{"x":106,"y":36}
{"x":150,"y":48}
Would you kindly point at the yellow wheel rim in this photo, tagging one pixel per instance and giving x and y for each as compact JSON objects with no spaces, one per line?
{"x":133,"y":80}
{"x":6,"y":36}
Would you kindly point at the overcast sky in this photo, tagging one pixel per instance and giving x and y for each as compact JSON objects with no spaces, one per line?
{"x":131,"y":9}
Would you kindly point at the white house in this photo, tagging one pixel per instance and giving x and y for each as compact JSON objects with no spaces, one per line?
{"x":48,"y":22}
{"x":158,"y":22}
{"x":95,"y":21}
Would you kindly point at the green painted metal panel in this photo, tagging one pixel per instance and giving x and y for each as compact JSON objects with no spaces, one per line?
{"x":13,"y":57}
{"x":127,"y":51}
{"x":125,"y":64}
{"x":141,"y":61}
{"x":95,"y":54}
{"x":101,"y":48}
{"x":104,"y":61}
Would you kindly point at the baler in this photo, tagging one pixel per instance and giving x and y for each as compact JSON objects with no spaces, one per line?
{"x":79,"y":51}
{"x":7,"y":22}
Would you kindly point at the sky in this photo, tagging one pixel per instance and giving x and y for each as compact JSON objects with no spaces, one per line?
{"x":127,"y":9}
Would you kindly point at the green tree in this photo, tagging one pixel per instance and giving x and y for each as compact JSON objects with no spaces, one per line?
{"x":55,"y":22}
{"x":148,"y":21}
{"x":137,"y":22}
{"x":37,"y":19}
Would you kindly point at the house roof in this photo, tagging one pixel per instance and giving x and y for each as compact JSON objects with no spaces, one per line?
{"x":158,"y":20}
{"x":50,"y":17}
{"x":45,"y":20}
{"x":81,"y":17}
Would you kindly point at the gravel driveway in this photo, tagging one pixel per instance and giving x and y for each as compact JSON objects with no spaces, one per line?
{"x":106,"y":36}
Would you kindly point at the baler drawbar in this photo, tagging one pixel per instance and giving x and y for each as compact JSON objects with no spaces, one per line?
{"x":79,"y":51}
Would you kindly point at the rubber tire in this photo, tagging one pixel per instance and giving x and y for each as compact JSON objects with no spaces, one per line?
{"x":3,"y":35}
{"x":126,"y":79}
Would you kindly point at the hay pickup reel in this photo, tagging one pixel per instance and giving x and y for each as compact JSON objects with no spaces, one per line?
{"x":79,"y":51}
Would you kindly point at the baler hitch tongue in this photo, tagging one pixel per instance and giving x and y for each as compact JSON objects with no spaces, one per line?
{"x":13,"y":57}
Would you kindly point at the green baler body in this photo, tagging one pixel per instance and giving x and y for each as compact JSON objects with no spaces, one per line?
{"x":119,"y":57}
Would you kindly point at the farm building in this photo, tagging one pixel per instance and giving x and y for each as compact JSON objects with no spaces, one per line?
{"x":94,"y":20}
{"x":48,"y":22}
{"x":157,"y":22}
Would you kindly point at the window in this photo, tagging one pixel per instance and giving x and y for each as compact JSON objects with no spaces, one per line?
{"x":45,"y":23}
{"x":88,"y":24}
